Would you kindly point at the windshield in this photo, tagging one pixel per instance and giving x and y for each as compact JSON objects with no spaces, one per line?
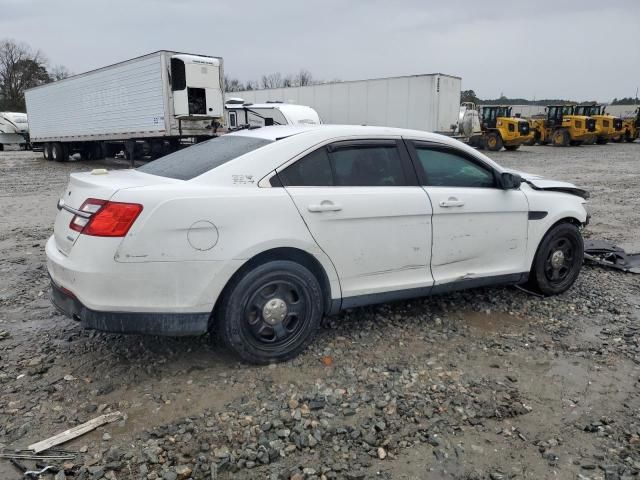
{"x":203,"y":157}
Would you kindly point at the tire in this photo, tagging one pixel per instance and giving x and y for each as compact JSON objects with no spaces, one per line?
{"x":553,"y":273}
{"x":493,"y":142}
{"x":57,"y":152}
{"x":602,"y":140}
{"x":511,"y":148}
{"x":256,"y":309}
{"x":629,"y":139}
{"x":561,"y":138}
{"x":575,"y":143}
{"x":530,"y":143}
{"x":46,"y":151}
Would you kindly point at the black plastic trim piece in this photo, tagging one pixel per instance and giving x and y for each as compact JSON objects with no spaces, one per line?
{"x":166,"y":324}
{"x":384,"y":297}
{"x":537,"y":215}
{"x":510,"y":279}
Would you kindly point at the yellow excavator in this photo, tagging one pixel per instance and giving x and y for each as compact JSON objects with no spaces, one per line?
{"x":501,"y":129}
{"x":562,"y":127}
{"x":608,"y":127}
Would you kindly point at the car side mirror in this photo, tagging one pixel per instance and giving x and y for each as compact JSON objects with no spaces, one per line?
{"x":510,"y":181}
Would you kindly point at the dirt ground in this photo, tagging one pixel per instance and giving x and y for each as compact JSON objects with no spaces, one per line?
{"x":489,"y":383}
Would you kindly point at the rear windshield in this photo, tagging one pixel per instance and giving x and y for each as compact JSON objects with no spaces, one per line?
{"x":202,"y":157}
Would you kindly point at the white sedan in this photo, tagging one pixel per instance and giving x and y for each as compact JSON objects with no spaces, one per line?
{"x":260,"y":233}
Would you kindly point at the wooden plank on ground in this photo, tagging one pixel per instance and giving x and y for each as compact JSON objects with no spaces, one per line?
{"x":74,"y":432}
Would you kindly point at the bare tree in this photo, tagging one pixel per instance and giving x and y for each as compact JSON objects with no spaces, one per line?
{"x":59,"y":72}
{"x":304,"y":78}
{"x":232,"y":84}
{"x":22,"y":68}
{"x":288,"y":81}
{"x":273,"y":80}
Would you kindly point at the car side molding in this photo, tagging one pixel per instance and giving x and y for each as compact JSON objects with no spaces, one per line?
{"x":385,"y":297}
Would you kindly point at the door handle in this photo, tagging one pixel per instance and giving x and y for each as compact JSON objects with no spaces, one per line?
{"x":451,"y":202}
{"x":325,"y":206}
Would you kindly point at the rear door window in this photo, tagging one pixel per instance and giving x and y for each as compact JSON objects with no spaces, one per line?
{"x":200,"y":158}
{"x":348,"y":164}
{"x":368,"y":166}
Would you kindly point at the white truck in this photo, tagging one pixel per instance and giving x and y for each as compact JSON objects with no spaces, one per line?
{"x":146,"y":106}
{"x":421,"y":102}
{"x":240,"y":115}
{"x":14,"y":129}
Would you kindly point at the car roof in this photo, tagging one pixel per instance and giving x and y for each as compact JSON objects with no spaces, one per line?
{"x":288,"y":141}
{"x":279,"y":132}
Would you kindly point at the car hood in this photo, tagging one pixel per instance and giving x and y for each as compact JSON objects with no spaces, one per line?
{"x":538,"y":182}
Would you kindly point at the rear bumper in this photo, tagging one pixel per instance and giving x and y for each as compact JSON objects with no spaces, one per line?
{"x":170,"y":324}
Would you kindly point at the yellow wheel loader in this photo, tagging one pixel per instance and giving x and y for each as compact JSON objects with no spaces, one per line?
{"x":501,"y":129}
{"x":608,"y":127}
{"x":562,"y":127}
{"x":630,"y":128}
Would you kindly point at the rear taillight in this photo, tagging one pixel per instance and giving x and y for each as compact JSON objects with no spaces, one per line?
{"x":105,"y":219}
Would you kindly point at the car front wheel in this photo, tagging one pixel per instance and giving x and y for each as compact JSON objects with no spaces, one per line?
{"x":558,"y":260}
{"x":271,"y":312}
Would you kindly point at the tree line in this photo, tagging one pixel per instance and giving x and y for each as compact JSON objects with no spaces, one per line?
{"x":470,"y":96}
{"x":272,"y":80}
{"x":22,"y":68}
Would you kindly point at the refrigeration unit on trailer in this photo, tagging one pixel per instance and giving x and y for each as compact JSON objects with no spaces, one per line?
{"x":147,"y":105}
{"x":421,"y":102}
{"x":14,"y":129}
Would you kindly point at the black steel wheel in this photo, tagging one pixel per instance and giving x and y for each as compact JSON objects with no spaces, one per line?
{"x":558,"y":260}
{"x":271,"y":312}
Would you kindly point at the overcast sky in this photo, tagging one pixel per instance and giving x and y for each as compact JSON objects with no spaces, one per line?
{"x":583,"y":50}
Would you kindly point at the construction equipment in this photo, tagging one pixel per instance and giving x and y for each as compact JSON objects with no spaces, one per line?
{"x":500,"y":129}
{"x":630,"y":128}
{"x":562,"y":127}
{"x":607,"y":126}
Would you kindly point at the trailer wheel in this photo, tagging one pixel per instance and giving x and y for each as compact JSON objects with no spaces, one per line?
{"x":46,"y":151}
{"x":57,"y":152}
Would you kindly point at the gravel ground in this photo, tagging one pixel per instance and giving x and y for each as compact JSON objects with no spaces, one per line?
{"x":483,"y":384}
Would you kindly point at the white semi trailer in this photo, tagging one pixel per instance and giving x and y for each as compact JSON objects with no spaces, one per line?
{"x":146,"y":106}
{"x":422,"y":102}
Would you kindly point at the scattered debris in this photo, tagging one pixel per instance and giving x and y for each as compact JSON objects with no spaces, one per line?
{"x":327,"y":361}
{"x":608,"y":254}
{"x":36,"y":474}
{"x":74,"y":432}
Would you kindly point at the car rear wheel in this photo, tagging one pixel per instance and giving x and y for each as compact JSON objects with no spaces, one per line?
{"x":558,"y":260}
{"x":271,"y":312}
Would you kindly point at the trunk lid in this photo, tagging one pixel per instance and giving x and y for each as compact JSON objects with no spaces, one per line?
{"x":99,"y":184}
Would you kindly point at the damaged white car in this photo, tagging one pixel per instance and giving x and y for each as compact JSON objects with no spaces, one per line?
{"x":258,"y":234}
